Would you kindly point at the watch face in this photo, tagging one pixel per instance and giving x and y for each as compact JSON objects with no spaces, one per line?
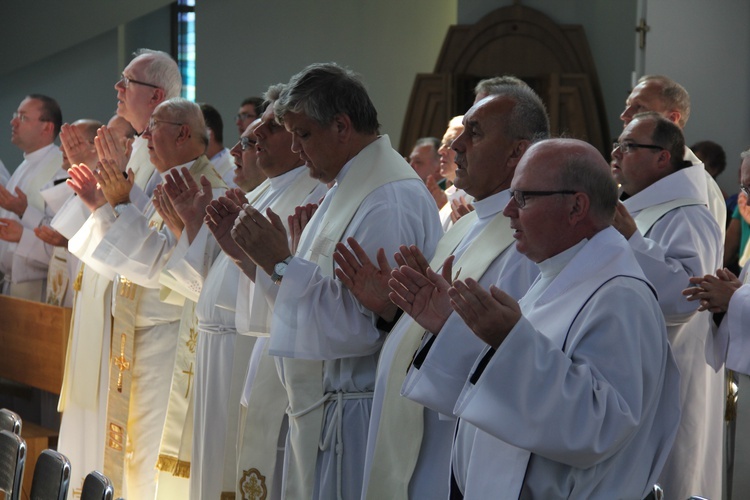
{"x":279,"y":268}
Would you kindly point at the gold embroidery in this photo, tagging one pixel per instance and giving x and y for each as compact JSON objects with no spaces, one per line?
{"x":121,"y":362}
{"x":192,"y":342}
{"x":115,"y":436}
{"x":253,"y":485}
{"x":126,"y":288}
{"x":189,"y":372}
{"x":79,"y":280}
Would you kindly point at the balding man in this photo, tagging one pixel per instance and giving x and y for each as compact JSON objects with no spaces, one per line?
{"x":665,"y":96}
{"x":407,"y":443}
{"x":149,"y":79}
{"x":24,"y":259}
{"x":675,"y":237}
{"x":136,"y":246}
{"x":576,"y":392}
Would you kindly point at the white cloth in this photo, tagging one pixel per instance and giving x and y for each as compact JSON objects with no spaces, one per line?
{"x":224,"y":164}
{"x":590,"y":423}
{"x":24,"y":263}
{"x":216,"y":406}
{"x":127,"y":246}
{"x":334,"y":327}
{"x":4,"y":174}
{"x":716,"y":203}
{"x":686,"y":242}
{"x":83,"y":398}
{"x":430,"y":476}
{"x":453,"y":193}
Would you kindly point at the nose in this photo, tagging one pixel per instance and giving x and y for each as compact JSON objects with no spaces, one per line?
{"x":236,"y":151}
{"x":119,"y":85}
{"x":457,"y":144}
{"x":147,"y":133}
{"x":617,"y":152}
{"x":296,"y":148}
{"x":511,"y":208}
{"x":627,"y":114}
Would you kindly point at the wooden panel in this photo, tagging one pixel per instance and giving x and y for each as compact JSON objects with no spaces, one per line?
{"x":33,"y":337}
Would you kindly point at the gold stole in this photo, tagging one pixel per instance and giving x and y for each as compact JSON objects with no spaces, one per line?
{"x":399,"y":437}
{"x":376,"y":165}
{"x":175,"y":448}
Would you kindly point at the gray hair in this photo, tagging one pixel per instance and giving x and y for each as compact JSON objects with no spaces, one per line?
{"x":590,"y":174}
{"x":493,"y":86}
{"x":322,"y":91}
{"x":667,"y":135}
{"x":429,"y":141}
{"x":188,"y":113}
{"x":745,"y":154}
{"x":673,"y":95}
{"x":528,"y":120}
{"x":163,"y":71}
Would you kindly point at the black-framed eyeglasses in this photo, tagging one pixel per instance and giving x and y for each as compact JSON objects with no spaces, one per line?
{"x":745,"y":190}
{"x":627,"y":147}
{"x":247,"y":143}
{"x":127,"y":81}
{"x":245,"y":116}
{"x":520,"y":196}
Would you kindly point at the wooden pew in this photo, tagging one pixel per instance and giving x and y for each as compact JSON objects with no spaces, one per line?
{"x":34,"y":337}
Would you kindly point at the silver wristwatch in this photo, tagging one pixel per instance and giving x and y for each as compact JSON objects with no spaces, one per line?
{"x":279,"y":269}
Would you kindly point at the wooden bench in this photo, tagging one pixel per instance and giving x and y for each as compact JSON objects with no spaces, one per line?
{"x":34,"y":337}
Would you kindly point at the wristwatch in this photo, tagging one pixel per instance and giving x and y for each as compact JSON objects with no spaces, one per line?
{"x":279,"y":269}
{"x":120,"y":207}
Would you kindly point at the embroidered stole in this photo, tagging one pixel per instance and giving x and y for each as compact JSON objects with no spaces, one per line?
{"x":123,"y":331}
{"x":400,"y":431}
{"x":260,"y":422}
{"x":376,"y":165}
{"x":58,"y":277}
{"x":175,"y":448}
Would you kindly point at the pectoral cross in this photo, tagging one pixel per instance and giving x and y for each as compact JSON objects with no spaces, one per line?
{"x":121,"y":362}
{"x":189,"y":372}
{"x":642,"y":29}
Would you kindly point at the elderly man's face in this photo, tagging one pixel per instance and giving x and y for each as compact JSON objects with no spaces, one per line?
{"x":635,"y":170}
{"x":247,"y":174}
{"x":483,"y":149}
{"x":319,"y":146}
{"x":424,"y":160}
{"x":447,"y":155}
{"x":646,"y":96}
{"x":275,"y":155}
{"x":162,"y":134}
{"x":538,"y":224}
{"x":136,"y":101}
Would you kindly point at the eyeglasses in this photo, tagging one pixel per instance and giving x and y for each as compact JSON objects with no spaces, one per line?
{"x":23,"y":118}
{"x":745,"y":190}
{"x":247,"y":143}
{"x":241,"y":117}
{"x":127,"y":81}
{"x":520,"y":196}
{"x":627,"y":147}
{"x":153,"y":123}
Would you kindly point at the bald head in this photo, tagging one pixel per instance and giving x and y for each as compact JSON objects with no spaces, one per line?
{"x":563,"y":193}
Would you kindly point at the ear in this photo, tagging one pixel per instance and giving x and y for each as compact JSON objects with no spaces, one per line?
{"x":158,"y":97}
{"x":519,"y":148}
{"x":342,"y":124}
{"x":674,"y":116}
{"x":184,"y":134}
{"x":579,"y":208}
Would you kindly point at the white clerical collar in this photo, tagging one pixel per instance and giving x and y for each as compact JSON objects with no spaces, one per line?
{"x":186,"y":165}
{"x":492,"y":205}
{"x":553,"y":265}
{"x":39,"y":153}
{"x":285,"y":179}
